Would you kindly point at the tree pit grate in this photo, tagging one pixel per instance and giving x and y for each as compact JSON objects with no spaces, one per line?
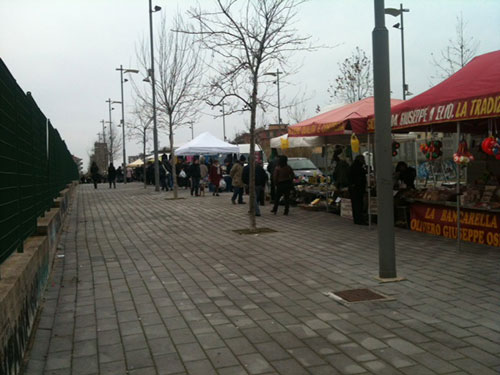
{"x":357,"y":295}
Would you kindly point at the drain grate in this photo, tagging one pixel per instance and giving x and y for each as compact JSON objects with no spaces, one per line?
{"x":357,"y":295}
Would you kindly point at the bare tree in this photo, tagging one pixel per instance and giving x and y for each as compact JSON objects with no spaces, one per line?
{"x":458,"y":52}
{"x":179,"y":80}
{"x":354,"y":81}
{"x":141,"y":128}
{"x":248,"y":38}
{"x":114,"y":141}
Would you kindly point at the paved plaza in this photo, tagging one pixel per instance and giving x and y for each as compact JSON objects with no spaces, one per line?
{"x":146,"y":285}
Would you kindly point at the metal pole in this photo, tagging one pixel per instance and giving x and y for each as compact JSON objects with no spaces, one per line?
{"x":153,"y":84}
{"x":110,"y":132}
{"x":123,"y":129}
{"x":192,"y":130}
{"x":279,"y":104}
{"x":223,"y":121}
{"x":383,"y":149}
{"x":458,"y":191}
{"x":403,"y":51}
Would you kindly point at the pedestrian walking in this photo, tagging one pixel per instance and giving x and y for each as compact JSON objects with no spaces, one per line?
{"x":203,"y":176}
{"x":94,"y":172}
{"x":163,"y":177}
{"x":270,"y":168}
{"x":195,"y":174}
{"x":260,"y":181}
{"x":238,"y":185}
{"x":215,"y":175}
{"x":357,"y":189}
{"x":112,"y":175}
{"x":283,"y":178}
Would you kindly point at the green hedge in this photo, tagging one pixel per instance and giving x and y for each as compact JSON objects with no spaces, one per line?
{"x":35,"y":164}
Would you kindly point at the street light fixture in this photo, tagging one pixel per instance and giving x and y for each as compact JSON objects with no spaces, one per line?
{"x":152,"y":75}
{"x":277,"y":82}
{"x":122,"y":70}
{"x":399,"y":12}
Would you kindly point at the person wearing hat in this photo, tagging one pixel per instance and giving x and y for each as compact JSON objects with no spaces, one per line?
{"x":238,"y":185}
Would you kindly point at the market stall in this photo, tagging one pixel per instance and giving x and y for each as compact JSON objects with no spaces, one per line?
{"x":346,"y":125}
{"x":467,"y":102}
{"x":205,"y":144}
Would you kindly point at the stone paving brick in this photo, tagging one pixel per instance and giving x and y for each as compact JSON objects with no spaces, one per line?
{"x":472,"y":367}
{"x":481,"y":356}
{"x":85,"y":365}
{"x":200,"y":368}
{"x":255,"y":363}
{"x":380,"y":367}
{"x":345,"y":364}
{"x":169,"y":364}
{"x":172,"y":303}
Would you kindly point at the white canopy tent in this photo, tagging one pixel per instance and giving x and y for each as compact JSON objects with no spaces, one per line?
{"x":136,"y":163}
{"x":293,"y":142}
{"x":205,"y":144}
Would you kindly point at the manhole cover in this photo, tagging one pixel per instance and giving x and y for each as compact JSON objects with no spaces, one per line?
{"x":357,"y":295}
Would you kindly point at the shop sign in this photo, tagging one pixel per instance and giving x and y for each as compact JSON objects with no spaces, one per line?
{"x":316,"y":129}
{"x":458,"y":110}
{"x":480,"y":227}
{"x":346,"y":208}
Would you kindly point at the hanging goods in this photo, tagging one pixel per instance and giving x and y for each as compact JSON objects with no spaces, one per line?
{"x":354,"y":143}
{"x":463,"y":156}
{"x":395,"y":148}
{"x":431,"y":149}
{"x":491,"y":146}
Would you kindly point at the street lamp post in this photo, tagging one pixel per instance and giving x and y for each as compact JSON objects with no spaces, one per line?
{"x":191,"y":125}
{"x":152,"y":74}
{"x":110,"y":151}
{"x":277,"y":82}
{"x":399,"y":12}
{"x":123,"y":117}
{"x":383,"y":148}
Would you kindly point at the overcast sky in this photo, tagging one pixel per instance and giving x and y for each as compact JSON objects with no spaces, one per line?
{"x":65,"y":52}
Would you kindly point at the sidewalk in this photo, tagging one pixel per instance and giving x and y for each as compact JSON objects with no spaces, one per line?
{"x":145,"y":285}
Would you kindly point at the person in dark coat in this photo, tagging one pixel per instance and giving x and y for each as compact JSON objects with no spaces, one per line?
{"x":357,"y":188}
{"x":94,"y":172}
{"x":270,"y":168}
{"x":119,"y":174}
{"x":283,"y":178}
{"x":150,"y":173}
{"x":112,"y":175}
{"x":404,"y":176}
{"x":195,"y":174}
{"x":260,"y":182}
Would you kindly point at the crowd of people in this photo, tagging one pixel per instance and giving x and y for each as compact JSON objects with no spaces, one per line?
{"x":206,"y":174}
{"x":201,"y":175}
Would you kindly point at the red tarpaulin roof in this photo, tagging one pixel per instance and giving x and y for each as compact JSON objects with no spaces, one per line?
{"x":348,"y":117}
{"x":471,"y":93}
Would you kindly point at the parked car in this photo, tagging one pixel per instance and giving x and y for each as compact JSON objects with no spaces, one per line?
{"x":304,"y":167}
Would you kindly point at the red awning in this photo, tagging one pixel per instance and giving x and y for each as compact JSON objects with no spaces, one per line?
{"x":352,"y":117}
{"x":472,"y":93}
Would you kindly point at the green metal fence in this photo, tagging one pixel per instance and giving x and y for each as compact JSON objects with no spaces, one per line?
{"x":35,"y":164}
